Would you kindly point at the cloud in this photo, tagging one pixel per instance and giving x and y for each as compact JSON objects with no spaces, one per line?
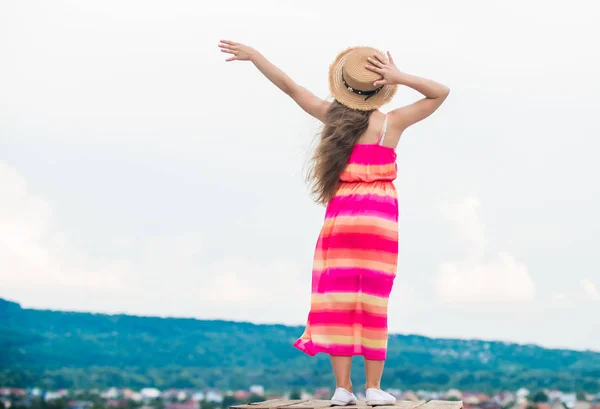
{"x":173,"y":275}
{"x":34,"y":253}
{"x":274,"y":291}
{"x":590,"y":289}
{"x":500,"y":279}
{"x":243,"y":281}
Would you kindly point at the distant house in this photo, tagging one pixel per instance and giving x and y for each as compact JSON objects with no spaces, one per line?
{"x":53,"y":395}
{"x":80,"y":404}
{"x":453,"y":394}
{"x":12,"y":392}
{"x":170,"y":394}
{"x":116,"y":403}
{"x":257,"y":390}
{"x":190,"y":404}
{"x":395,"y":392}
{"x":409,"y":395}
{"x":214,"y":396}
{"x":504,"y":398}
{"x":553,"y":394}
{"x":483,"y":397}
{"x":569,"y":400}
{"x":323,"y":393}
{"x":543,"y":406}
{"x":520,"y":404}
{"x":306,"y":396}
{"x":430,"y":395}
{"x":198,"y":396}
{"x":241,"y":395}
{"x":131,"y":395}
{"x":420,"y":393}
{"x":490,"y":404}
{"x":111,"y":393}
{"x":470,"y":399}
{"x":150,"y":393}
{"x":582,"y":405}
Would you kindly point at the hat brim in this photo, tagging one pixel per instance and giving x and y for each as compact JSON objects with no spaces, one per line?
{"x":350,"y":99}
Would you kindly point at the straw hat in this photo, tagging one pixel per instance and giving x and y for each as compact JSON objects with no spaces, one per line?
{"x":351,"y":84}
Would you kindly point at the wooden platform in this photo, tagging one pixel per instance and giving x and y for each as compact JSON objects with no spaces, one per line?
{"x":317,"y":404}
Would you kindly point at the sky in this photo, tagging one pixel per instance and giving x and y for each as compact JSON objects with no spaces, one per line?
{"x":141,"y":174}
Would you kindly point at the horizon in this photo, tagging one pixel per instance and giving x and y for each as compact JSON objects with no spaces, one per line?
{"x":297,"y":326}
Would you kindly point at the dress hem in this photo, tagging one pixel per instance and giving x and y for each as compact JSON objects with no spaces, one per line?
{"x":311,"y":349}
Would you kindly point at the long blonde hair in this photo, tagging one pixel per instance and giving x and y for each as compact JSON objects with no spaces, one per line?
{"x":341,"y":130}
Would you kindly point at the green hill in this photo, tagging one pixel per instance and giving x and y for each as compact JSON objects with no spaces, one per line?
{"x":68,"y":349}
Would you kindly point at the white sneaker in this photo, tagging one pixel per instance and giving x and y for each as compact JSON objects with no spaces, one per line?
{"x":377,"y":397}
{"x":343,"y":397}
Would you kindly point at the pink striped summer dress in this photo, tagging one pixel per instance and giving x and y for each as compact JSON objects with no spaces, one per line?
{"x":355,"y":259}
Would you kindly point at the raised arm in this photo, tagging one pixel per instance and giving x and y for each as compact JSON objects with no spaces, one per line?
{"x":310,"y":103}
{"x":434,"y":92}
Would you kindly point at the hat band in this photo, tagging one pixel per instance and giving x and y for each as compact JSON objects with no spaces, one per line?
{"x":368,"y":94}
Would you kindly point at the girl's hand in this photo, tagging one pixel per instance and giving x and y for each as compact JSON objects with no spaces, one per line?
{"x":240,"y":52}
{"x":386,"y":68}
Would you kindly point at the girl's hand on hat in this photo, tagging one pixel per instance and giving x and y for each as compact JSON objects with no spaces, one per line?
{"x":240,"y":52}
{"x":386,"y":68}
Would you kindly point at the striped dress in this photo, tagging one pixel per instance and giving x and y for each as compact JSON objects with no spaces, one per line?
{"x":355,"y":259}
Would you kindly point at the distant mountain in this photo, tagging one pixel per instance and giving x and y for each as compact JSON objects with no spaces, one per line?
{"x":80,"y":350}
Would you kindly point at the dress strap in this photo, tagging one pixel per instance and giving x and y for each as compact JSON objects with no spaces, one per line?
{"x":382,"y":137}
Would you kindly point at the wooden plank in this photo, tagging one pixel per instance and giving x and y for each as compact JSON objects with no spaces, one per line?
{"x":401,"y":404}
{"x":361,"y":404}
{"x":310,"y":404}
{"x":405,"y":404}
{"x":269,"y":404}
{"x":442,"y":404}
{"x":409,"y":404}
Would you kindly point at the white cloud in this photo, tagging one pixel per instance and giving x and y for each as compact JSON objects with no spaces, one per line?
{"x":468,"y":225}
{"x":243,"y":281}
{"x":501,"y":279}
{"x":34,"y":253}
{"x":275,"y":291}
{"x":167,"y":275}
{"x":590,"y":289}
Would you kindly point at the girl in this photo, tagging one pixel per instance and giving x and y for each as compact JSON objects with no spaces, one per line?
{"x":352,"y":171}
